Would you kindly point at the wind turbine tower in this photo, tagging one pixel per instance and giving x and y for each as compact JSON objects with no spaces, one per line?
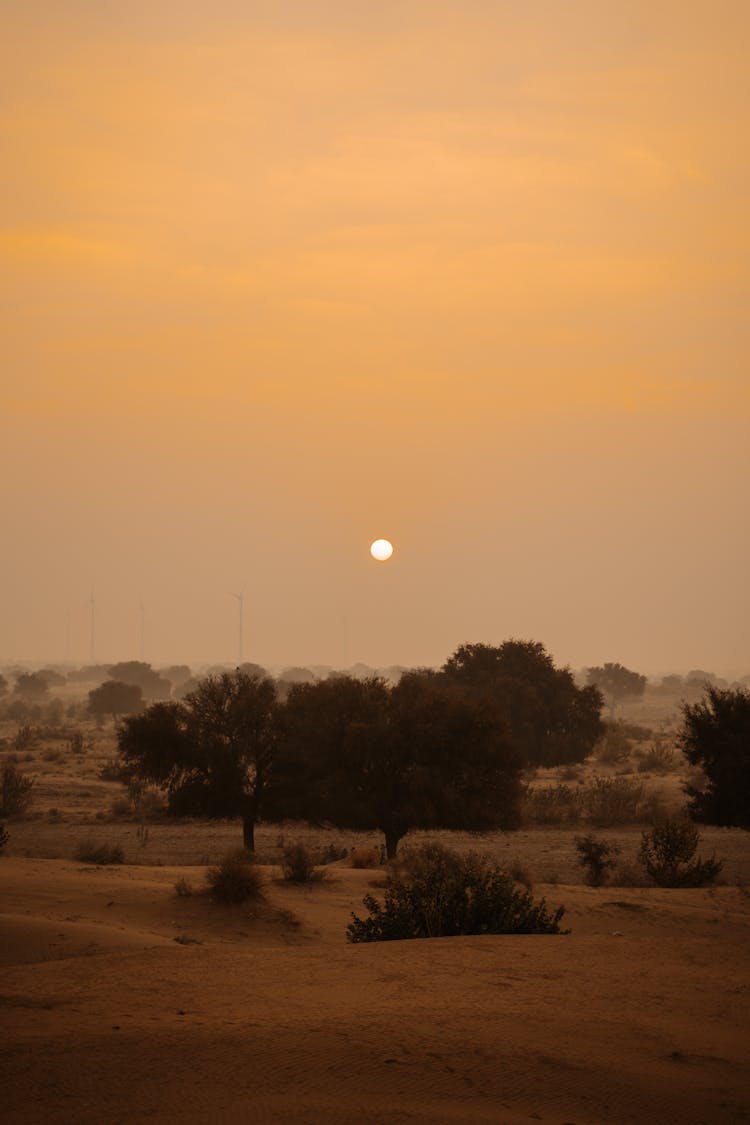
{"x":92,"y":635}
{"x":143,"y":629}
{"x":241,"y":612}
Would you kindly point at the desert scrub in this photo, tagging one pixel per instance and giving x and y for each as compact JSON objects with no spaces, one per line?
{"x":657,"y":759}
{"x":434,"y":892}
{"x":366,"y":857}
{"x":298,"y":865}
{"x":100,"y":853}
{"x":596,"y":857}
{"x":612,"y":800}
{"x":16,"y":791}
{"x":236,"y":879}
{"x":668,"y":855}
{"x":552,"y":804}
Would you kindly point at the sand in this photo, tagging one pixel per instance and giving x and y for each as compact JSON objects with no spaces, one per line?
{"x":123,"y":1002}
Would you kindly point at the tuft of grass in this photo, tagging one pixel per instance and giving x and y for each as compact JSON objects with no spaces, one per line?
{"x":236,"y":879}
{"x":298,"y":865}
{"x":102,"y":854}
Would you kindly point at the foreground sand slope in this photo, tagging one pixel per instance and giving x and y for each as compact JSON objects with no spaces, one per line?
{"x":640,"y":1014}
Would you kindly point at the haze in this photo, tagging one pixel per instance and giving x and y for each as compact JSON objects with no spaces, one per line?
{"x":281,"y":278}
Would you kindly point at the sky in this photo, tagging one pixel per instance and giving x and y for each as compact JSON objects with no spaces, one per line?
{"x":280,"y":277}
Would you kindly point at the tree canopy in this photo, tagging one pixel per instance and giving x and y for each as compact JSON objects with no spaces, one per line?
{"x":115,"y":698}
{"x":422,"y":753}
{"x":617,"y":682}
{"x":549,"y":719}
{"x":212,"y":751}
{"x":715,"y":735}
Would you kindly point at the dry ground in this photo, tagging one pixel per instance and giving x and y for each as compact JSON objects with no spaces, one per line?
{"x":123,"y":1001}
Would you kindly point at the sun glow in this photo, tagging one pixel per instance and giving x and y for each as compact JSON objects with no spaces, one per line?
{"x":381,"y":550}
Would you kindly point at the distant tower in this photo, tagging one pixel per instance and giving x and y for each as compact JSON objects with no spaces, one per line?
{"x":142,"y":648}
{"x":240,"y":609}
{"x":92,"y":636}
{"x":67,"y":637}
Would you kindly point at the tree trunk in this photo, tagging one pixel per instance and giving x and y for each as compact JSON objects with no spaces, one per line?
{"x":392,"y":837}
{"x":248,"y":832}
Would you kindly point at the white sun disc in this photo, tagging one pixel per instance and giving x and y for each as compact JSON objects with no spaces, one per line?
{"x":381,"y":550}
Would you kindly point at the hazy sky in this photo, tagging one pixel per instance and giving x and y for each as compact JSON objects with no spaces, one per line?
{"x":282,"y":276}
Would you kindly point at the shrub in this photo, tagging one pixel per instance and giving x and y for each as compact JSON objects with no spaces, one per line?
{"x":554,"y":804}
{"x":15,"y":791}
{"x":4,"y":837}
{"x":715,"y":735}
{"x":236,"y":879}
{"x":120,"y":807}
{"x":613,"y":746}
{"x":612,"y":800}
{"x":366,"y":857}
{"x":102,"y":854}
{"x":298,"y":865}
{"x":658,"y":759}
{"x":183,"y":889}
{"x":51,"y":754}
{"x":75,"y":743}
{"x":25,"y":738}
{"x":433,"y":892}
{"x":668,"y":851}
{"x":596,"y":857}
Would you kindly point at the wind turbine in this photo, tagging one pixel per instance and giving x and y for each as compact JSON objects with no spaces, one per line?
{"x":240,"y":609}
{"x":143,"y":627}
{"x":92,"y":636}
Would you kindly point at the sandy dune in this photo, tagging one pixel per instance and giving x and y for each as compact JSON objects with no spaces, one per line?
{"x":123,"y":1002}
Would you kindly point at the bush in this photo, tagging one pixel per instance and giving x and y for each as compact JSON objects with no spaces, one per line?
{"x":433,"y":892}
{"x":658,"y":759}
{"x":298,"y":865}
{"x":596,"y":856}
{"x":668,"y":851}
{"x":183,"y":888}
{"x":716,"y":736}
{"x":612,"y":800}
{"x":236,"y":879}
{"x":366,"y":857}
{"x":613,"y":746}
{"x":102,"y":854}
{"x":25,"y":738}
{"x":15,"y":791}
{"x":4,"y":837}
{"x":554,"y":804}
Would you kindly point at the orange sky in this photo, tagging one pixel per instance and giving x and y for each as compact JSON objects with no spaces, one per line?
{"x":281,"y":277}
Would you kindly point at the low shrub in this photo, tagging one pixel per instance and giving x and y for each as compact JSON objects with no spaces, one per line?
{"x":596,"y":857}
{"x":657,"y":759}
{"x":102,"y":854}
{"x":183,"y":889}
{"x":552,"y":804}
{"x":75,"y":743}
{"x":366,"y":857}
{"x":668,"y":855}
{"x":434,"y":892}
{"x":612,"y":800}
{"x":25,"y":738}
{"x":613,"y":746}
{"x":298,"y":865}
{"x":16,"y":791}
{"x":628,"y":873}
{"x":51,"y":754}
{"x":120,"y":807}
{"x":236,"y":879}
{"x":4,"y":837}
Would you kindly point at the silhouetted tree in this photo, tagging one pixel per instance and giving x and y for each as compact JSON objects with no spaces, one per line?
{"x":213,"y":752}
{"x":31,"y":685}
{"x":617,"y":682}
{"x":550,"y":720}
{"x":420,"y":754}
{"x":715,"y":735}
{"x":137,"y":672}
{"x":115,"y":698}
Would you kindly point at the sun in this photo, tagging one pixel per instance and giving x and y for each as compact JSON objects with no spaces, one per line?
{"x":381,"y":550}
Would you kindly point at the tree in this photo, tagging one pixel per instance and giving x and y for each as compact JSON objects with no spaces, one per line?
{"x":137,"y":672}
{"x":618,"y":682}
{"x":31,"y":685}
{"x":549,"y":719}
{"x":715,"y":735}
{"x":115,"y":698}
{"x":668,"y":854}
{"x":213,"y":752}
{"x":420,"y":754}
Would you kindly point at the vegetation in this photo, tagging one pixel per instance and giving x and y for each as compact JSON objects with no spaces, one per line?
{"x":596,"y":857}
{"x":299,"y":865}
{"x":236,"y":879}
{"x":434,"y":892}
{"x":138,"y":674}
{"x":550,"y":721}
{"x":716,"y":737}
{"x":617,"y":682}
{"x":4,"y":837}
{"x":114,"y":697}
{"x":668,"y":855}
{"x":212,"y":752}
{"x":102,"y":854}
{"x":16,"y":791}
{"x":422,"y":753}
